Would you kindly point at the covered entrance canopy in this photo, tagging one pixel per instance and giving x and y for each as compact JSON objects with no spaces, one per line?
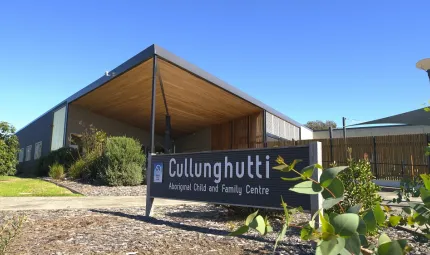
{"x":191,"y":97}
{"x":192,"y":102}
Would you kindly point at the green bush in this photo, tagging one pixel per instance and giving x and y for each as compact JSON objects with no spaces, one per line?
{"x":77,"y":169}
{"x":56,"y":171}
{"x":65,"y":156}
{"x":121,"y":163}
{"x":359,"y":185}
{"x":9,"y":147}
{"x":86,"y":168}
{"x":127,"y":174}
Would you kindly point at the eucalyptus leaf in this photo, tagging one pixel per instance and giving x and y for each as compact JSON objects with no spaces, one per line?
{"x":258,"y":224}
{"x":250,"y":218}
{"x":383,"y":238}
{"x":295,"y":162}
{"x":407,"y":210}
{"x":379,"y":214}
{"x":363,"y":241}
{"x":353,"y":244}
{"x":346,"y":224}
{"x":240,"y":231}
{"x":330,"y":202}
{"x":336,"y":187}
{"x":329,"y":174}
{"x":325,"y":224}
{"x":426,"y":180}
{"x":370,"y":220}
{"x":354,"y":209}
{"x":291,"y":179}
{"x":307,"y":172}
{"x":362,"y":228}
{"x":282,"y":168}
{"x":390,"y":248}
{"x":331,"y":247}
{"x":306,"y":232}
{"x":307,"y":187}
{"x":394,"y":220}
{"x":425,"y":196}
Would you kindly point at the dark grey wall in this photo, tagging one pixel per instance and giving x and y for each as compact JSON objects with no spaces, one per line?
{"x":39,"y":130}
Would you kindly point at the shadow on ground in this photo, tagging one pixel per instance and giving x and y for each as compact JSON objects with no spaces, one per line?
{"x":268,"y":244}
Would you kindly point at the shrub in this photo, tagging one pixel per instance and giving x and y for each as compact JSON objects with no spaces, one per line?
{"x":9,"y":147}
{"x":121,"y":163}
{"x":359,"y":186}
{"x":65,"y":156}
{"x":127,"y":174}
{"x":77,"y":169}
{"x":86,"y":168}
{"x":56,"y":171}
{"x":93,"y":140}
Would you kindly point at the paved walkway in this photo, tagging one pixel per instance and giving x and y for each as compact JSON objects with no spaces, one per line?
{"x":56,"y":203}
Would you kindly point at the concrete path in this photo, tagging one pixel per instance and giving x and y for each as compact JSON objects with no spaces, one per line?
{"x":56,"y":203}
{"x":387,"y":198}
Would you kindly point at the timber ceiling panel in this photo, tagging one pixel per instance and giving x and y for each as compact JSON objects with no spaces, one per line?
{"x":193,"y":103}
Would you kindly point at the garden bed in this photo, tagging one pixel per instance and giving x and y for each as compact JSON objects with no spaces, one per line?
{"x":190,"y":229}
{"x":94,"y":190}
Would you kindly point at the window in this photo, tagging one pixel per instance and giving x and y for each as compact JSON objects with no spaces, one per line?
{"x":38,"y":150}
{"x":28,"y":153}
{"x":76,"y":142}
{"x":21,"y":155}
{"x":57,"y":140}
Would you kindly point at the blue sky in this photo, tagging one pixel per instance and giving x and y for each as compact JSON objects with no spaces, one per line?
{"x":308,"y":59}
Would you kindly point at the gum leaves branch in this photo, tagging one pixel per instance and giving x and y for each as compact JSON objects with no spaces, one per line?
{"x":343,"y":233}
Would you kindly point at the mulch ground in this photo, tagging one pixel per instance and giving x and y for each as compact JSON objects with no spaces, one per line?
{"x":188,"y":229}
{"x":94,"y":190}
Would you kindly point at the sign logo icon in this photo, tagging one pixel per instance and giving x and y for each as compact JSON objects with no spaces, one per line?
{"x":158,"y":172}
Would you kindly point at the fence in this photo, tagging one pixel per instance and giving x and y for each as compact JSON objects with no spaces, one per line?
{"x":392,"y":157}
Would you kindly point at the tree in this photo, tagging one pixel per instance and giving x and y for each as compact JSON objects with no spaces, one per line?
{"x":9,"y":147}
{"x":319,"y":125}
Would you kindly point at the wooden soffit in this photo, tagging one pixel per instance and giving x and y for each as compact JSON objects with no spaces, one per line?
{"x":193,"y":103}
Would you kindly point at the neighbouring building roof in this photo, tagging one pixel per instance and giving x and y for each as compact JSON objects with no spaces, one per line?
{"x":415,"y":117}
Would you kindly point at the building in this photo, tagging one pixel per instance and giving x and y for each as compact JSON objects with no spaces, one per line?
{"x":165,"y":102}
{"x":373,"y":131}
{"x":412,"y":122}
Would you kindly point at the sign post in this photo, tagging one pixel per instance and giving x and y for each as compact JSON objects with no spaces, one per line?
{"x":149,"y":198}
{"x":236,"y":177}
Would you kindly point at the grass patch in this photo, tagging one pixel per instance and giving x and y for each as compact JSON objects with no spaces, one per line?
{"x":11,"y":186}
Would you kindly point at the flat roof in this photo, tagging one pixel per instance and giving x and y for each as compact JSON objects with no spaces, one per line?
{"x":179,"y":62}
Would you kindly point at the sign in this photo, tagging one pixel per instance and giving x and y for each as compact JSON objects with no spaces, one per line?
{"x":237,"y":177}
{"x":158,"y":172}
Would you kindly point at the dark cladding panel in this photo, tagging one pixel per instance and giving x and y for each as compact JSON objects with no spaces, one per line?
{"x":37,"y":131}
{"x":262,"y":188}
